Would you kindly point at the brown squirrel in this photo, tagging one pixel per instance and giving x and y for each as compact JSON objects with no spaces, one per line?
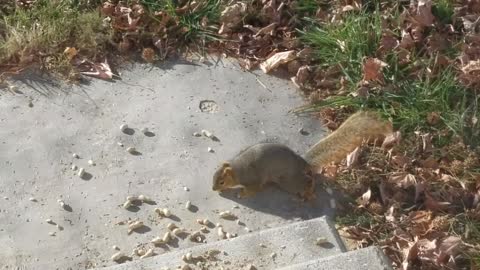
{"x":262,"y":163}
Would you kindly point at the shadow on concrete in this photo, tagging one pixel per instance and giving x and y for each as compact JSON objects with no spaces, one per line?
{"x":87,"y":176}
{"x":277,"y":202}
{"x":40,"y":82}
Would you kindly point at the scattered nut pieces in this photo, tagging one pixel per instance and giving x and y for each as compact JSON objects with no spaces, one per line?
{"x":91,"y":163}
{"x":131,"y":150}
{"x":321,"y":240}
{"x":227,"y":215}
{"x":178,"y":231}
{"x":171,"y":226}
{"x":209,"y":149}
{"x":49,"y":221}
{"x":144,"y":198}
{"x":206,"y":222}
{"x":118,"y":256}
{"x":120,"y":144}
{"x":188,"y":205}
{"x":147,"y":254}
{"x":186,"y":189}
{"x":123,"y":127}
{"x":247,"y":229}
{"x":32,"y":199}
{"x":262,"y":245}
{"x":221,"y":233}
{"x":134,"y":225}
{"x":74,"y":167}
{"x":60,"y":228}
{"x":144,"y":130}
{"x":81,"y":172}
{"x":163,"y":212}
{"x":197,"y":134}
{"x":61,"y":202}
{"x":273,"y":255}
{"x":197,"y":237}
{"x":75,"y":155}
{"x":127,"y":204}
{"x":157,"y":241}
{"x":218,"y":225}
{"x":204,"y":229}
{"x":52,"y":233}
{"x":115,"y":248}
{"x":187,"y":257}
{"x":167,"y":237}
{"x":251,"y":267}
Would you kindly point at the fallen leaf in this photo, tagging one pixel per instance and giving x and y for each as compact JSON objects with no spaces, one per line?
{"x":400,"y":161}
{"x":434,"y":205}
{"x":424,"y":14}
{"x":269,"y":29}
{"x":100,"y":71}
{"x":430,"y":163}
{"x":471,"y":66}
{"x":365,"y":198}
{"x":276,"y":60}
{"x":392,"y":139}
{"x":372,"y":69}
{"x":352,"y":158}
{"x":433,"y":118}
{"x":70,"y":52}
{"x":409,"y":254}
{"x":403,"y":179}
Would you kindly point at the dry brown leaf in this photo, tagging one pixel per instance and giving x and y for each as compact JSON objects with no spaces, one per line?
{"x":400,"y":161}
{"x":430,"y":163}
{"x":100,"y":71}
{"x":391,"y":139}
{"x":331,"y":170}
{"x":471,"y":66}
{"x":433,"y":118}
{"x":434,"y":205}
{"x":372,"y":69}
{"x":424,"y":15}
{"x":267,"y":30}
{"x":426,"y":142}
{"x":70,"y":52}
{"x":407,"y":41}
{"x":352,"y":158}
{"x":365,"y":198}
{"x":276,"y":60}
{"x":403,"y":179}
{"x":409,"y":254}
{"x":448,"y":248}
{"x":232,"y":16}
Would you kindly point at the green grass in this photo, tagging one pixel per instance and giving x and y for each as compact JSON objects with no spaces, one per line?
{"x":48,"y":28}
{"x":190,"y":23}
{"x":443,"y":10}
{"x":409,"y":94}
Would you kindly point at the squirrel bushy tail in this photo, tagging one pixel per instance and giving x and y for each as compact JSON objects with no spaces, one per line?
{"x":337,"y":145}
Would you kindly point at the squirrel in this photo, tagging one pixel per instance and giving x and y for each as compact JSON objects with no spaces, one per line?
{"x":263,"y":163}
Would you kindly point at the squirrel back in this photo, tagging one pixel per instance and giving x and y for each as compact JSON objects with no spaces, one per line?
{"x":336,"y":146}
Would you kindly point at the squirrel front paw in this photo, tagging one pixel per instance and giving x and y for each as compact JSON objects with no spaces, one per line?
{"x":244,"y":193}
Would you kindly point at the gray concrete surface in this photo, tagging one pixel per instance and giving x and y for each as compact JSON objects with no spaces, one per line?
{"x":370,"y":258}
{"x":290,"y":244}
{"x":46,"y":122}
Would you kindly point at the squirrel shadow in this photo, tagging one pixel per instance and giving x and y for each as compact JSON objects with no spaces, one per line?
{"x":275,"y":201}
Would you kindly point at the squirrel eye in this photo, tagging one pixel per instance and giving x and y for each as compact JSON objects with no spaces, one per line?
{"x":221,"y":183}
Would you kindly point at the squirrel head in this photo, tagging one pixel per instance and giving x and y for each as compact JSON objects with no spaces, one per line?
{"x":223,"y":178}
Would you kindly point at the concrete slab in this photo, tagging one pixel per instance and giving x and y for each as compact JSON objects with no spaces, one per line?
{"x":267,"y":249}
{"x":47,"y":122}
{"x":370,"y":258}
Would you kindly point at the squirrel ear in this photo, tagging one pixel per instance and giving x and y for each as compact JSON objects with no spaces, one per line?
{"x":227,"y":170}
{"x":225,"y":164}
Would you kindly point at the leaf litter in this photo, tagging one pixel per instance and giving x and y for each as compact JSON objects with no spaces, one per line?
{"x":416,"y":198}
